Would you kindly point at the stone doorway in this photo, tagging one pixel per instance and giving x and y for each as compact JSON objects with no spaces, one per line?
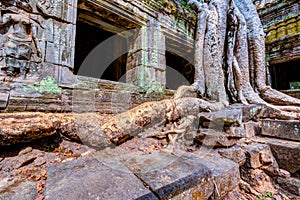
{"x":286,"y":75}
{"x":106,"y":47}
{"x":179,"y":71}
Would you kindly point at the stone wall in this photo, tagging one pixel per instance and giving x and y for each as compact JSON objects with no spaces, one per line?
{"x":38,"y":46}
{"x":38,"y":42}
{"x":281,"y":21}
{"x":36,"y":36}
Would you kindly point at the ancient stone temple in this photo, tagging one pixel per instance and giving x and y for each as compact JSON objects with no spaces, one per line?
{"x":53,"y":39}
{"x":150,"y":99}
{"x":281,"y":24}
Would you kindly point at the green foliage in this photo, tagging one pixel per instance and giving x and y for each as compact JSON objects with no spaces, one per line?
{"x":269,"y":194}
{"x":47,"y":85}
{"x":184,"y":4}
{"x":266,"y":195}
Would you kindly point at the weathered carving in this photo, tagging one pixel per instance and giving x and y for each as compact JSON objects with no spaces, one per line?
{"x":18,"y":44}
{"x":45,"y":6}
{"x":23,"y":4}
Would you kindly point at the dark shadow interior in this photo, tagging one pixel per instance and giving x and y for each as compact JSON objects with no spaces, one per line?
{"x":179,"y":71}
{"x":107,"y":62}
{"x":283,"y":74}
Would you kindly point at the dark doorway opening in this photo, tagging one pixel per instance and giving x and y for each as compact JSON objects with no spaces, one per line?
{"x":179,"y":71}
{"x":104,"y":51}
{"x":286,"y":75}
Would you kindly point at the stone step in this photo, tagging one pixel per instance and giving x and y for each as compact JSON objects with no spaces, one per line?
{"x":186,"y":176}
{"x":284,"y":129}
{"x":143,"y":176}
{"x":90,"y":179}
{"x":285,"y":152}
{"x":291,"y":184}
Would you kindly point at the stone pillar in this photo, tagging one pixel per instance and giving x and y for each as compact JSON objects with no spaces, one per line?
{"x":146,"y":63}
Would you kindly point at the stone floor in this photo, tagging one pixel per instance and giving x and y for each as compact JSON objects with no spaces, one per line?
{"x":261,"y":163}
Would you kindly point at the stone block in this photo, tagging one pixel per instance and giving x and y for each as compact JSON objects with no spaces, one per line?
{"x":235,"y":153}
{"x":185,"y":176}
{"x":67,"y":56}
{"x":149,"y":38}
{"x":4,"y":97}
{"x":169,"y":175}
{"x":16,"y":189}
{"x":258,"y":179}
{"x":66,"y":77}
{"x":236,"y":132}
{"x":284,"y":129}
{"x":71,"y":15}
{"x":252,"y":129}
{"x":51,"y":70}
{"x":149,"y":59}
{"x":52,"y":53}
{"x":225,"y":173}
{"x":90,"y":179}
{"x":249,"y":112}
{"x":211,"y":137}
{"x":220,"y":119}
{"x":286,"y":153}
{"x":290,"y":184}
{"x":259,"y":155}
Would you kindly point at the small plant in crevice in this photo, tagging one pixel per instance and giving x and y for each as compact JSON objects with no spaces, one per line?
{"x":184,"y":4}
{"x":265,"y":195}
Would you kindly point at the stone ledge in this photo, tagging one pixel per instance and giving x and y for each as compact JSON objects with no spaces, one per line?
{"x":283,"y":129}
{"x":286,"y":154}
{"x":143,"y":176}
{"x":90,"y":179}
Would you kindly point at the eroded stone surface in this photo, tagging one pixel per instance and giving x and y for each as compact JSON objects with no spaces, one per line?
{"x":259,"y":155}
{"x":17,"y":189}
{"x":235,"y":153}
{"x":290,"y":184}
{"x":189,"y":175}
{"x":90,"y":179}
{"x":211,"y":137}
{"x":169,"y":175}
{"x":286,"y":153}
{"x":284,"y":129}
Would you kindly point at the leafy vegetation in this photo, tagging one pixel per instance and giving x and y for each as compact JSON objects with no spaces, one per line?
{"x":184,"y":4}
{"x":266,"y":195}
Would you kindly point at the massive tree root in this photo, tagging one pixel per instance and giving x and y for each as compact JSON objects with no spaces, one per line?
{"x":232,"y":57}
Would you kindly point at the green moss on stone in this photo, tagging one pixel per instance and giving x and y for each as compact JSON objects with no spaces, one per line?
{"x":47,"y":85}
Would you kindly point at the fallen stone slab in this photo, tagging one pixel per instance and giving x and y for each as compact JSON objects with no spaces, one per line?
{"x":169,"y":175}
{"x":290,"y":184}
{"x":252,"y":129}
{"x":259,"y":155}
{"x":284,"y":129}
{"x":225,"y":175}
{"x":286,"y":154}
{"x":211,"y":137}
{"x":249,"y":112}
{"x":17,"y":189}
{"x":222,"y":118}
{"x":188,"y":176}
{"x":90,"y":179}
{"x":235,"y":153}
